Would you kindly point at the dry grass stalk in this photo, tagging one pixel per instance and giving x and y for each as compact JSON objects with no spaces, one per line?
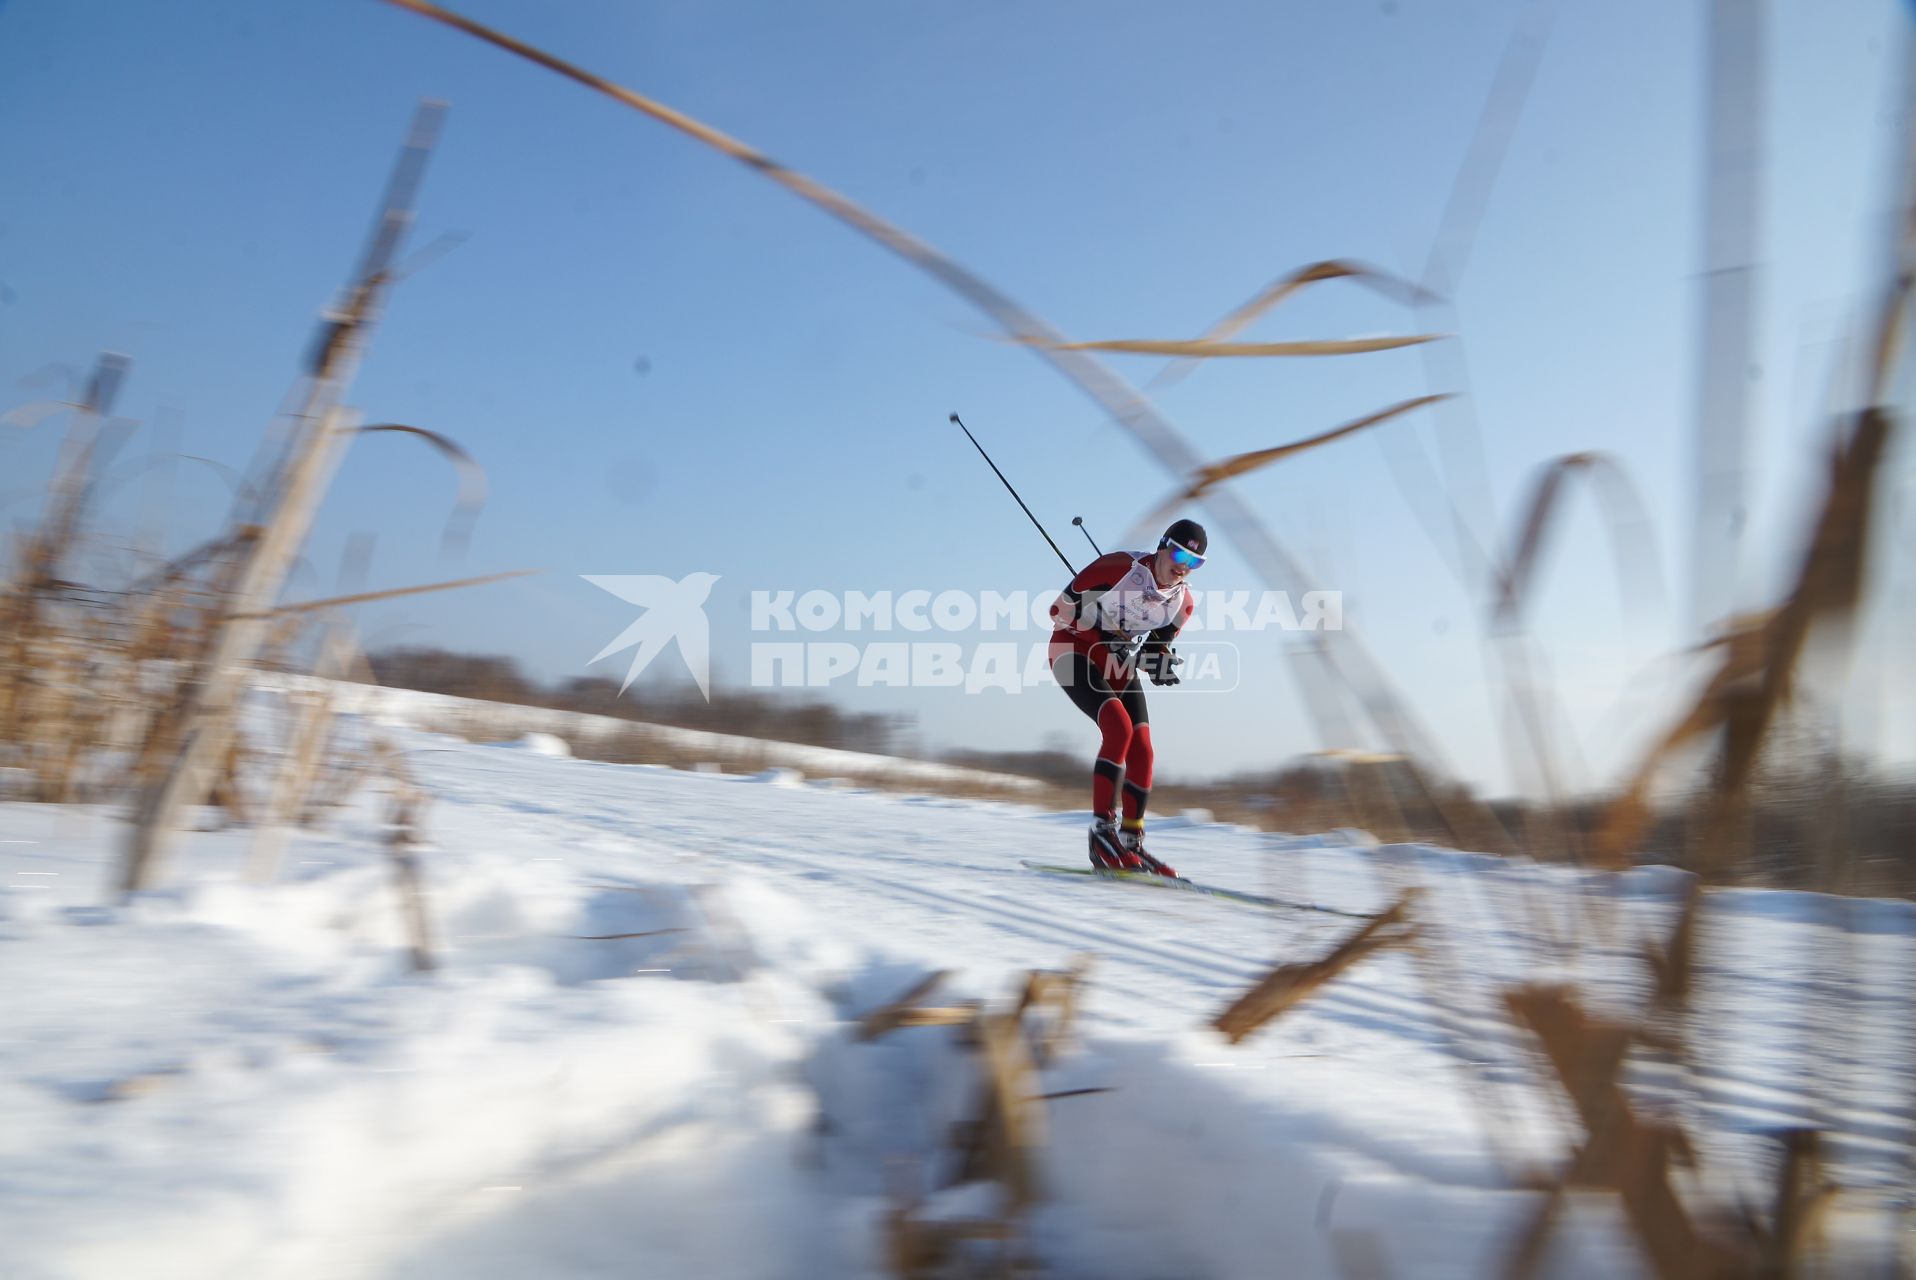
{"x":1758,"y":660}
{"x":1001,"y":1142}
{"x":24,"y":624}
{"x":1621,"y":1152}
{"x":472,"y":481}
{"x":1674,"y":965}
{"x":1058,"y":993}
{"x":1199,"y":349}
{"x":920,"y":1250}
{"x":892,"y":1015}
{"x":1624,"y":513}
{"x":406,"y":811}
{"x":1759,"y":657}
{"x":1803,"y":1198}
{"x":285,"y":611}
{"x":1212,"y":474}
{"x":194,"y":737}
{"x":1282,"y":288}
{"x":1629,"y":529}
{"x":228,"y":791}
{"x":1288,"y":985}
{"x":289,"y":794}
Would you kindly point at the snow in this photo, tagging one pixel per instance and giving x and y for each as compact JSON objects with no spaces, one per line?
{"x":637,"y":1056}
{"x":545,"y":744}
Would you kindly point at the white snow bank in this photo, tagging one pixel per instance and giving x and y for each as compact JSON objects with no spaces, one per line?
{"x":635,"y":1058}
{"x":544,"y":744}
{"x":224,"y":1080}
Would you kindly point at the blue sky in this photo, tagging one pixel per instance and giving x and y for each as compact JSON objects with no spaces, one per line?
{"x":666,"y":364}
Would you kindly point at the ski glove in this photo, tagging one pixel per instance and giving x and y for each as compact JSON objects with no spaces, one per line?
{"x":1160,"y":662}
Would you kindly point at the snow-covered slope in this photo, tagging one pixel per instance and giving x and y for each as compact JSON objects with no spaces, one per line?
{"x":222,"y":1079}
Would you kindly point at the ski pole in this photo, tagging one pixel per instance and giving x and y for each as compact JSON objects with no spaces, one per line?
{"x":1014,"y":493}
{"x":1079,"y":521}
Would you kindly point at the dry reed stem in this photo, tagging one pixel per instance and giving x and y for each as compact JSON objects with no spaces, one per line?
{"x":1199,"y":349}
{"x":1059,"y":993}
{"x":24,"y":625}
{"x":289,"y":795}
{"x":391,"y":593}
{"x":1674,"y":965}
{"x":1757,"y":668}
{"x":1513,"y":581}
{"x":917,"y":1250}
{"x":1012,"y":1125}
{"x":1621,"y":1152}
{"x":892,"y":1014}
{"x":472,"y":480}
{"x":1288,"y":985}
{"x":1803,"y":1199}
{"x":1002,"y":1140}
{"x":1624,"y":512}
{"x":194,"y":737}
{"x":407,"y":807}
{"x":1282,"y":288}
{"x":1212,"y":474}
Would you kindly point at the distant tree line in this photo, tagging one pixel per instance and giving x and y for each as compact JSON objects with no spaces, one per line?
{"x":749,"y":713}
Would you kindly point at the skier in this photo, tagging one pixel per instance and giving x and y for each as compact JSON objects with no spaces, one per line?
{"x":1113,"y":601}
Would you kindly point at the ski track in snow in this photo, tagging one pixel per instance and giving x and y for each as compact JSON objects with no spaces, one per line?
{"x":246,"y":1070}
{"x":1189,"y":954}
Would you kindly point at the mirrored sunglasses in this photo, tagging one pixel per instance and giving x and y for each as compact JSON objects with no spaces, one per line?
{"x":1183,"y":556}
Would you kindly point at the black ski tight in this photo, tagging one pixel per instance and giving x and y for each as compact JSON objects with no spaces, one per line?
{"x":1124,"y":722}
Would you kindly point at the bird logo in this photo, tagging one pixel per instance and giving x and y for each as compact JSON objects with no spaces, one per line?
{"x":673,"y":611}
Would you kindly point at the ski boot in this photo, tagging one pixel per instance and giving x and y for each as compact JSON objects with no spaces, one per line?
{"x":1108,"y":852}
{"x":1131,"y":840}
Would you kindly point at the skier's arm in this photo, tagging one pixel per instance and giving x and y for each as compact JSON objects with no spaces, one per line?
{"x":1076,"y":607}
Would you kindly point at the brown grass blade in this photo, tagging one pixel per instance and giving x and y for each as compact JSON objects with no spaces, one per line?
{"x":1214,"y":473}
{"x":1288,"y":985}
{"x":1334,"y":269}
{"x":29,"y":416}
{"x":889,"y":1016}
{"x":1203,"y":349}
{"x":1280,"y":289}
{"x":362,"y":597}
{"x":472,"y":479}
{"x":1629,"y":529}
{"x":1757,"y":670}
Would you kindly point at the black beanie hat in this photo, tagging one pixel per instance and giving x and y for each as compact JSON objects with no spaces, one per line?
{"x":1188,"y":534}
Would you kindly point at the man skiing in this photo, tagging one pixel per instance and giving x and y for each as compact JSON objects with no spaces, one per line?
{"x":1115,"y":600}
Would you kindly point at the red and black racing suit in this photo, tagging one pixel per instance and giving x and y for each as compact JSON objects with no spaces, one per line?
{"x":1090,"y":656}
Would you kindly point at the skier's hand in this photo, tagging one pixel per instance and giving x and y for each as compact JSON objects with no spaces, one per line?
{"x":1160,"y":663}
